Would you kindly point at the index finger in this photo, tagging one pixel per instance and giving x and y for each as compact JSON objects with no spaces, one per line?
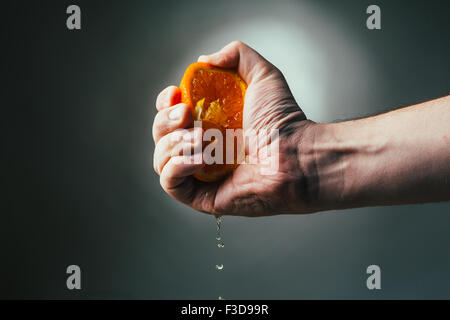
{"x":168,"y":97}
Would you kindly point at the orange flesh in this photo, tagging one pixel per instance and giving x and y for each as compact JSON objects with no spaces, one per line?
{"x":223,"y":87}
{"x":215,"y":96}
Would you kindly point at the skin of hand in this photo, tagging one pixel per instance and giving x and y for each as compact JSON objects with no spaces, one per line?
{"x":268,"y":105}
{"x":399,"y":157}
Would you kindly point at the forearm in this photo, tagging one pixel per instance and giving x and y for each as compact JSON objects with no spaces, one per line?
{"x":398,"y":157}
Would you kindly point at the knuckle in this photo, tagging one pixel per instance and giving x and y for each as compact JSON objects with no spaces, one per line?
{"x":155,"y":164}
{"x":160,"y":123}
{"x":237,"y":44}
{"x":163,"y":99}
{"x":166,"y":148}
{"x":163,"y":181}
{"x":156,"y":128}
{"x":156,"y":158}
{"x":170,"y":91}
{"x":268,"y":69}
{"x":160,"y":97}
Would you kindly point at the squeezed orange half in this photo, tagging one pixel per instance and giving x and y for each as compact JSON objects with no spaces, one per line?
{"x":216,"y":98}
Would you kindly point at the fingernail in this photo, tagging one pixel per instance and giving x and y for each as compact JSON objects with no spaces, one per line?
{"x":176,"y":113}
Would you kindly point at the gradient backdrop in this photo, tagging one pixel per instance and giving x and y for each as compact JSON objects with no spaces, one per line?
{"x":77,"y":176}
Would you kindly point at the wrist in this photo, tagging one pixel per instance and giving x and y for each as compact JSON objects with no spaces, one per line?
{"x":348,"y":161}
{"x":328,"y":154}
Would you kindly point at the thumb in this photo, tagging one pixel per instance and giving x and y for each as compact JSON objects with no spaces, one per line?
{"x":237,"y":55}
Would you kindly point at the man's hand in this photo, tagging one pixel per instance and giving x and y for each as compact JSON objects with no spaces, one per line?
{"x":268,"y":105}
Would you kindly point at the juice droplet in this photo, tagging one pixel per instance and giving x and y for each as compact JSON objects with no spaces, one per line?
{"x":218,"y":222}
{"x":219,"y":267}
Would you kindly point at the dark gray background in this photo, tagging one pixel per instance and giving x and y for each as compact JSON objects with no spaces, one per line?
{"x":76,"y":160}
